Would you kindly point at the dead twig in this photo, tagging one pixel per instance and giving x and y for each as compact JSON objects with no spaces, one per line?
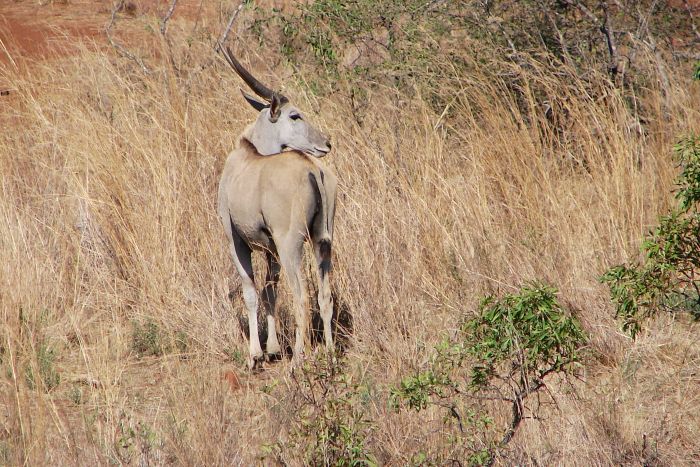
{"x":118,"y":47}
{"x":231,"y":20}
{"x":166,"y":39}
{"x":606,"y":29}
{"x":166,"y":18}
{"x":692,"y":19}
{"x":560,"y":36}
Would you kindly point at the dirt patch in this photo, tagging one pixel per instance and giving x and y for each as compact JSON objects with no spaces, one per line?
{"x":33,"y":30}
{"x":28,"y":30}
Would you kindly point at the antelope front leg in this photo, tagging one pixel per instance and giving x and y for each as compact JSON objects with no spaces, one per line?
{"x":250,"y":296}
{"x":241,"y":254}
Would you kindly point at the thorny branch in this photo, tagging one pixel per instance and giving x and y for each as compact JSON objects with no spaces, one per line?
{"x":518,"y":407}
{"x":166,"y":18}
{"x":118,"y":47}
{"x":692,"y":19}
{"x":609,"y":34}
{"x":163,"y":31}
{"x":560,"y":36}
{"x":605,"y":28}
{"x":231,"y":20}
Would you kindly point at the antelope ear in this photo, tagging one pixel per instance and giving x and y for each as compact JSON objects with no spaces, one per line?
{"x":255,"y":103}
{"x":276,"y":107}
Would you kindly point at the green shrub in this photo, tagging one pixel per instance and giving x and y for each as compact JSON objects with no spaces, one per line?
{"x":367,"y":42}
{"x":668,"y":278}
{"x":148,"y":339}
{"x":48,"y":376}
{"x":512,"y":344}
{"x":427,"y":45}
{"x":330,"y":424}
{"x":523,"y":336}
{"x":5,"y":452}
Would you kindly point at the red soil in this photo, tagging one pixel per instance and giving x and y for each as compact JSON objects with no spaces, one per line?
{"x":32,"y":29}
{"x":28,"y":29}
{"x":232,"y":380}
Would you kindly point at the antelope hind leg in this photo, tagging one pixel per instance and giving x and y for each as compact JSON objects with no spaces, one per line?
{"x":241,"y":254}
{"x":291,"y":256}
{"x":322,"y":251}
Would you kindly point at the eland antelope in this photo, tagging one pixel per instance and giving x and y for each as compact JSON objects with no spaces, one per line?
{"x":273,"y":196}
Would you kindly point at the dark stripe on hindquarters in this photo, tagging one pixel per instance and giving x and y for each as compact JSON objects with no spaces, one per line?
{"x":240,"y":246}
{"x":233,"y":227}
{"x":324,"y":244}
{"x":265,"y":229}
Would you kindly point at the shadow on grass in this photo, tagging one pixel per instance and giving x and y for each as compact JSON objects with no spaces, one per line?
{"x":342,"y":325}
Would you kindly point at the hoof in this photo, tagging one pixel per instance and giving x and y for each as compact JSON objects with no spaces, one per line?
{"x":273,"y":357}
{"x":255,"y":363}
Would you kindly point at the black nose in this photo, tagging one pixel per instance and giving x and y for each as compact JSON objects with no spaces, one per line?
{"x":328,"y":143}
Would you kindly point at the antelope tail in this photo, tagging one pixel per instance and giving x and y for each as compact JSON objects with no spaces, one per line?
{"x":321,"y":219}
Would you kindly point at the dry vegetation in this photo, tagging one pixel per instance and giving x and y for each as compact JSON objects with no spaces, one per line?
{"x":115,"y":279}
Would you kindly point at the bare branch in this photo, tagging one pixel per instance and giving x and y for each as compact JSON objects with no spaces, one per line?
{"x":585,"y":11}
{"x":692,"y":19}
{"x":606,"y":29}
{"x":231,"y":20}
{"x":560,"y":36}
{"x":166,"y":18}
{"x":163,"y":32}
{"x":119,"y":48}
{"x":455,"y":414}
{"x":651,"y":44}
{"x":609,"y":34}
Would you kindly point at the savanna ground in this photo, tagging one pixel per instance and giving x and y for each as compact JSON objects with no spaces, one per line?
{"x":499,"y":157}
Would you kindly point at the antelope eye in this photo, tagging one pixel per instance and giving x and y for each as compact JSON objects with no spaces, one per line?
{"x":295,"y":117}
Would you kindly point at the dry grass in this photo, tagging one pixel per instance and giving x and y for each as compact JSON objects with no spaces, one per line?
{"x":108,"y":181}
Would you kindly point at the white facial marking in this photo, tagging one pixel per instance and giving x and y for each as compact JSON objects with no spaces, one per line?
{"x":291,"y":130}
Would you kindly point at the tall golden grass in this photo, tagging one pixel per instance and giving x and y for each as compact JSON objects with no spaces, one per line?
{"x":108,"y":180}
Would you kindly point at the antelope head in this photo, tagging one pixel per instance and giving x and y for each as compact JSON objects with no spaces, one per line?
{"x":280,"y":125}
